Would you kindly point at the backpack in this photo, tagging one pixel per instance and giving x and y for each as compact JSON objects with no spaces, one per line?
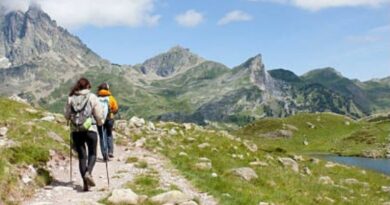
{"x":81,"y":113}
{"x":104,"y":102}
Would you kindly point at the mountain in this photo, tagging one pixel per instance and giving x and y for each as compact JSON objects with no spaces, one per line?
{"x":36,"y":55}
{"x":40,"y":61}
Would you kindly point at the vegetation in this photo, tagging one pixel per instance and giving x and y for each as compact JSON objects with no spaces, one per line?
{"x":32,"y":139}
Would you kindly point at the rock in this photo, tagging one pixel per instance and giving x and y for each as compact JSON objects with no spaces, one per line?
{"x":187,"y":126}
{"x":259,"y":164}
{"x":62,"y":188}
{"x":136,"y":122}
{"x":310,"y":125}
{"x":290,"y":127}
{"x":372,"y":154}
{"x":214,"y":175}
{"x":347,"y":123}
{"x":330,"y":165}
{"x":49,"y":118}
{"x":330,"y":200}
{"x":204,"y":166}
{"x":140,"y":142}
{"x":204,"y":159}
{"x":3,"y":131}
{"x":250,"y":146}
{"x":150,"y":126}
{"x":29,"y":174}
{"x":172,"y":132}
{"x":246,"y":173}
{"x":18,"y":99}
{"x":190,"y":139}
{"x":31,"y":110}
{"x":288,"y":162}
{"x":305,"y":142}
{"x":279,"y":134}
{"x":307,"y":171}
{"x":55,"y":136}
{"x":386,"y":203}
{"x":189,"y":203}
{"x":183,"y":154}
{"x":298,"y":158}
{"x":386,"y":189}
{"x":172,"y":197}
{"x":120,"y":125}
{"x":314,"y":160}
{"x":264,"y":203}
{"x":87,"y":202}
{"x":123,"y":196}
{"x":326,"y":180}
{"x":204,"y":145}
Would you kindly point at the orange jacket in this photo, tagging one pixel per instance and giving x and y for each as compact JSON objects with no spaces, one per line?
{"x":112,"y":101}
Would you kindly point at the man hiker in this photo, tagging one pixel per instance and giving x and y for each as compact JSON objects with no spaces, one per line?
{"x":84,"y":112}
{"x":110,"y":108}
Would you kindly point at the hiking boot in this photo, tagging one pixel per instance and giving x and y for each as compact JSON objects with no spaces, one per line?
{"x":111,"y":155}
{"x":89,"y":179}
{"x":86,"y":187}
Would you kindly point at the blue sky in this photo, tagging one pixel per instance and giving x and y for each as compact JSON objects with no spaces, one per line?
{"x":352,"y":36}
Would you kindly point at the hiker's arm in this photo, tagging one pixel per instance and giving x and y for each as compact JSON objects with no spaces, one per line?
{"x":97,"y":111}
{"x":67,"y":110}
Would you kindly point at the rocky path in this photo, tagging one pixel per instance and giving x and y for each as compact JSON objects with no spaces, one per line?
{"x":62,"y":192}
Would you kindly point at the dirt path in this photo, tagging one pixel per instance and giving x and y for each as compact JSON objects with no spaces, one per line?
{"x":61,"y":192}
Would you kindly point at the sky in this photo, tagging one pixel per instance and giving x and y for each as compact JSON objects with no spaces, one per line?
{"x":353,"y":36}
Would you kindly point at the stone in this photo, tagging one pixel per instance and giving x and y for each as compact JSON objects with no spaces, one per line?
{"x":204,"y":166}
{"x":136,"y":122}
{"x":55,"y":136}
{"x":330,"y":165}
{"x":259,"y":164}
{"x":49,"y":118}
{"x":183,"y":154}
{"x":386,"y":189}
{"x":3,"y":131}
{"x":288,"y":162}
{"x":140,"y":142}
{"x":245,"y":173}
{"x":250,"y":146}
{"x":214,"y":175}
{"x":62,"y":188}
{"x":298,"y":158}
{"x":150,"y":126}
{"x":203,"y":145}
{"x":31,"y":110}
{"x":314,"y":160}
{"x":123,"y":196}
{"x":305,"y":142}
{"x":190,"y":139}
{"x":310,"y":125}
{"x":189,"y":203}
{"x":326,"y":180}
{"x":347,"y":123}
{"x":172,"y":132}
{"x":187,"y":126}
{"x":173,"y":197}
{"x":307,"y":171}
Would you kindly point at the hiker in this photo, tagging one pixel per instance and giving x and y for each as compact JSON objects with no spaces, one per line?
{"x":110,"y":108}
{"x":84,"y":112}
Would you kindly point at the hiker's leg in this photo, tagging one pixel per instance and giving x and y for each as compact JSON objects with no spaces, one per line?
{"x":103,"y":144}
{"x":79,"y":144}
{"x":109,"y":124}
{"x":92,"y":146}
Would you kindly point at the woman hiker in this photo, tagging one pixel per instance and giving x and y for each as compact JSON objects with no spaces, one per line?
{"x":110,"y":108}
{"x":83,"y":110}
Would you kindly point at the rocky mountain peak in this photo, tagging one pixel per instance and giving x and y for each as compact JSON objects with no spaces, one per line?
{"x":175,"y":60}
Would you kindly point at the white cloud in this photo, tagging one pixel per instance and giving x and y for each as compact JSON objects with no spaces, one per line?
{"x":376,"y":34}
{"x":101,"y":13}
{"x":234,"y":16}
{"x":190,"y":18}
{"x":315,"y":5}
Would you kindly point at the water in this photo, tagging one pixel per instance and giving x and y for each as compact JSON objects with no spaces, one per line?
{"x":379,"y":165}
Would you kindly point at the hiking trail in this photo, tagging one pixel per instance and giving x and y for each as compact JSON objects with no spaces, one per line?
{"x":62,"y":192}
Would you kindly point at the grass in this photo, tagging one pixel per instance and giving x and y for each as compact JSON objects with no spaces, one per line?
{"x":141,"y":164}
{"x":332,"y":134}
{"x":276,"y":184}
{"x":32,"y":145}
{"x":131,"y":160}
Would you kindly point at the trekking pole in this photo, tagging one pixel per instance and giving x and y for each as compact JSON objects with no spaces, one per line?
{"x":105,"y":145}
{"x":70,"y":153}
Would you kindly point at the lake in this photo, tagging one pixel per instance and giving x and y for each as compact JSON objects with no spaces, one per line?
{"x":379,"y":165}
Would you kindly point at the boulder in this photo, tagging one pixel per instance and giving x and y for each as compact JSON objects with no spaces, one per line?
{"x":123,"y":196}
{"x":187,"y":126}
{"x":3,"y":131}
{"x":204,"y":166}
{"x":140,"y":142}
{"x":49,"y":118}
{"x":326,"y":180}
{"x":250,"y":146}
{"x":171,"y":197}
{"x":203,"y":145}
{"x":136,"y":122}
{"x":307,"y":171}
{"x":245,"y":173}
{"x":258,"y":164}
{"x":288,"y":162}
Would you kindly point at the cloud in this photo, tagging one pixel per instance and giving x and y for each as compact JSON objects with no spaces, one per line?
{"x":101,"y":13}
{"x":234,"y":16}
{"x":315,"y":5}
{"x":190,"y":18}
{"x":373,"y":35}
